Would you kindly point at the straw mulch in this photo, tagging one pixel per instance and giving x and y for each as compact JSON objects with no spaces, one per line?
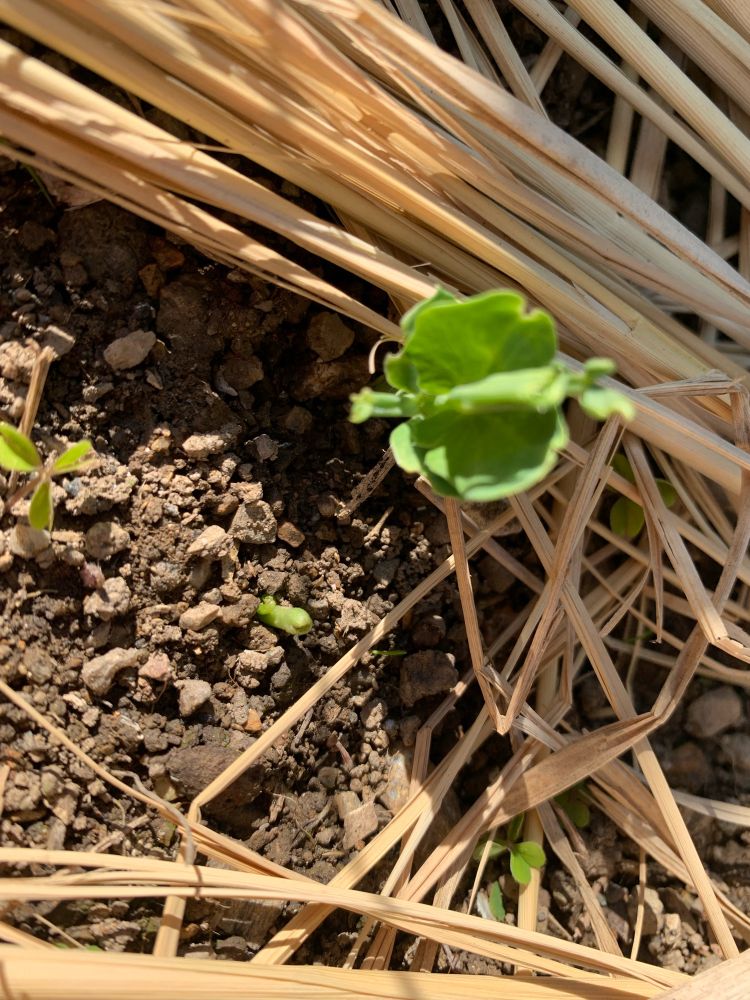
{"x":446,"y":171}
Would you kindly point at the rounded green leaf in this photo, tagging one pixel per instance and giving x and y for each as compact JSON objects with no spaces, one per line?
{"x":622,"y":466}
{"x":489,"y":456}
{"x":41,"y":512}
{"x":72,"y":458}
{"x":626,"y":518}
{"x":454,"y":343}
{"x":532,"y":853}
{"x":400,"y":372}
{"x":17,"y":452}
{"x":495,"y":899}
{"x":579,"y":813}
{"x":402,"y":446}
{"x":519,"y":867}
{"x":409,"y":318}
{"x":667,"y":492}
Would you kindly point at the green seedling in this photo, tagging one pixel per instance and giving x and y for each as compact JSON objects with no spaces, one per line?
{"x":573,"y":803}
{"x":18,"y":454}
{"x":626,"y":518}
{"x":524,"y":855}
{"x":481,"y":393}
{"x":388,"y":652}
{"x":294,"y":621}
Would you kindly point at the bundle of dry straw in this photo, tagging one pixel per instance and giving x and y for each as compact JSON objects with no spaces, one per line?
{"x":441,"y":170}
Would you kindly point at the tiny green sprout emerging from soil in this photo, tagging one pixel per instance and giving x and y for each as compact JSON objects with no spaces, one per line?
{"x":18,"y":454}
{"x":524,"y":855}
{"x":294,"y":621}
{"x":481,"y":393}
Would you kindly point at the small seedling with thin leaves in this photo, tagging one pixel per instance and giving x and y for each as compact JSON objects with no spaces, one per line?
{"x":524,"y":855}
{"x":481,"y":393}
{"x":18,"y":454}
{"x":626,"y":518}
{"x":294,"y":621}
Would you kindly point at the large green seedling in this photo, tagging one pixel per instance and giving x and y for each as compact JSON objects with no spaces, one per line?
{"x":482,"y":394}
{"x":18,"y":454}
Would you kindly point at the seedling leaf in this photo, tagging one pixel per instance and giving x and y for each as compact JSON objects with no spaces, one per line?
{"x":72,"y":458}
{"x":626,"y":518}
{"x":519,"y":867}
{"x":532,"y":853}
{"x":41,"y":512}
{"x":495,"y":900}
{"x":17,"y":452}
{"x":497,"y":848}
{"x":601,"y":403}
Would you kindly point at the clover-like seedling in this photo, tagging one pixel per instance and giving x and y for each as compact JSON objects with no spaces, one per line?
{"x":575,"y":806}
{"x":524,"y":855}
{"x":626,"y":517}
{"x":294,"y":621}
{"x":18,"y":454}
{"x":481,"y":393}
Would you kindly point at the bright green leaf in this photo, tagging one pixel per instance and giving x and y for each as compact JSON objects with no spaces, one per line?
{"x":626,"y":518}
{"x":410,"y":317}
{"x":72,"y":458}
{"x":601,"y":403}
{"x":579,"y":813}
{"x":402,"y":445}
{"x":597,"y":367}
{"x":515,"y":826}
{"x":538,"y":389}
{"x":495,"y":899}
{"x":17,"y":452}
{"x":489,"y":456}
{"x":532,"y":853}
{"x":41,"y":512}
{"x":519,"y":867}
{"x":366,"y":404}
{"x":400,"y":372}
{"x":454,"y":343}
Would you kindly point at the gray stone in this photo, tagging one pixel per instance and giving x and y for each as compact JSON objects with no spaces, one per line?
{"x":712,"y":713}
{"x":193,"y":694}
{"x":396,"y":791}
{"x":374,"y":713}
{"x":200,"y":446}
{"x":426,"y":674}
{"x":130,"y":350}
{"x":112,"y":600}
{"x":105,"y":539}
{"x":254,"y":523}
{"x":156,"y":668}
{"x":200,"y":616}
{"x":99,"y":673}
{"x":359,"y":824}
{"x":291,"y":534}
{"x":240,"y":614}
{"x":266,"y":448}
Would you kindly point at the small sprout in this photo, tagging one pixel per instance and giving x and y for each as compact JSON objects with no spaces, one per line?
{"x":388,"y":652}
{"x":573,"y":803}
{"x":295,"y":621}
{"x":626,"y":518}
{"x":480,"y":393}
{"x":18,"y":454}
{"x":524,"y":855}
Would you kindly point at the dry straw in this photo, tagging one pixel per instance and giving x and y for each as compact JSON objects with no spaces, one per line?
{"x":445,"y":171}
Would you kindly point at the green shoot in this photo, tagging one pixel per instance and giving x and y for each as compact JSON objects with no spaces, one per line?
{"x":626,"y":518}
{"x":18,"y":454}
{"x":481,"y":395}
{"x":573,"y":803}
{"x":523,"y":856}
{"x":295,"y":621}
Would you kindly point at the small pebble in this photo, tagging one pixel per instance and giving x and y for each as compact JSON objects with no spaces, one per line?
{"x":130,"y":350}
{"x":712,"y":713}
{"x":329,"y":336}
{"x":156,"y":668}
{"x":105,"y":539}
{"x":193,"y":694}
{"x":254,"y":523}
{"x":99,"y":673}
{"x":112,"y":600}
{"x":27,"y":542}
{"x":199,"y":617}
{"x":425,"y":674}
{"x":291,"y":534}
{"x":212,"y":543}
